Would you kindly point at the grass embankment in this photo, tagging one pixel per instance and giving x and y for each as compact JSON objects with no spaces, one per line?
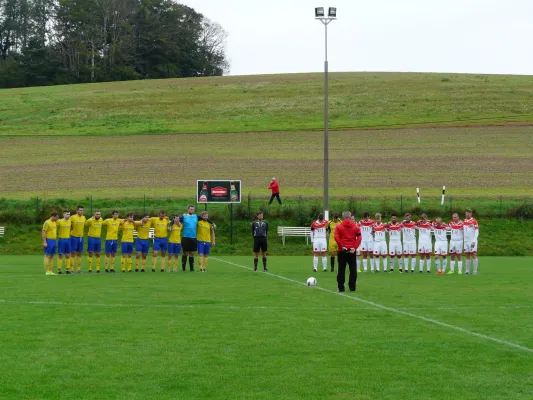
{"x":469,"y":161}
{"x":266,"y":103}
{"x":508,"y":235}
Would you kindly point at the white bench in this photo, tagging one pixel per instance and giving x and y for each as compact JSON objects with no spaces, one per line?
{"x":151,"y":234}
{"x":2,"y":231}
{"x":285,"y":231}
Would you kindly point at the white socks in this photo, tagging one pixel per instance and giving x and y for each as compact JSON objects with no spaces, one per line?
{"x":460,"y":266}
{"x":315,"y":262}
{"x":324,"y":262}
{"x":444,"y":264}
{"x":421,"y":264}
{"x":475,"y":265}
{"x":467,"y":266}
{"x":413,"y":264}
{"x":437,"y":263}
{"x":365,"y":264}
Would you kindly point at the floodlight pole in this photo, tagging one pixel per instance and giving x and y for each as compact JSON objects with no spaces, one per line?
{"x":326,"y":22}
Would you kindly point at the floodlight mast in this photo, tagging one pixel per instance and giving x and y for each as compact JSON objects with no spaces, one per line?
{"x":320,"y":15}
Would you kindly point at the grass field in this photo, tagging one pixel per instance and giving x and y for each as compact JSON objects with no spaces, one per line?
{"x":265,"y":103}
{"x":488,"y":161}
{"x":232,"y":333}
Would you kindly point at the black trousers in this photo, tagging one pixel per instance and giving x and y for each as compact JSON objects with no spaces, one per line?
{"x":351,"y":260}
{"x":274,"y":196}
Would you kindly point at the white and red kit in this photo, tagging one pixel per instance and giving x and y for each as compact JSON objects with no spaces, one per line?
{"x":456,"y":241}
{"x":367,"y":244}
{"x":380,"y":241}
{"x":409,"y":237}
{"x":318,"y":234}
{"x":441,"y":239}
{"x":395,"y":239}
{"x":471,"y":233}
{"x":424,"y":237}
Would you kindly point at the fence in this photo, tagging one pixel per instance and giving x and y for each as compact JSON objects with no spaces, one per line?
{"x":300,"y":209}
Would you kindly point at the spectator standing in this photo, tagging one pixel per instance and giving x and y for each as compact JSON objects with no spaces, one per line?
{"x":274,"y":187}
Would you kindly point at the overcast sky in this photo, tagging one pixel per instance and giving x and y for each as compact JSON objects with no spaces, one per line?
{"x":275,"y":36}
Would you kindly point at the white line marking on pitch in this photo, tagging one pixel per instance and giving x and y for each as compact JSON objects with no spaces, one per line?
{"x":394,"y":310}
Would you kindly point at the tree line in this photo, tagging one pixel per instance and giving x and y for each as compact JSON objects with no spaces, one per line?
{"x":50,"y":42}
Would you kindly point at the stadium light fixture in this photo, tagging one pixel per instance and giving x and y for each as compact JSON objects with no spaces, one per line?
{"x":320,"y":15}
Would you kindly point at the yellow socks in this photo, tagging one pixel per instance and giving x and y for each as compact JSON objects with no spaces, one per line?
{"x":78,"y":262}
{"x":112,"y":264}
{"x":204,"y":264}
{"x":163,"y":263}
{"x":90,"y":262}
{"x":201,"y":262}
{"x":67,"y":262}
{"x":50,"y":264}
{"x":154,"y":262}
{"x":59,"y":264}
{"x":122,"y":263}
{"x":129,"y":262}
{"x":106,"y":262}
{"x":144,"y":263}
{"x":98,"y":262}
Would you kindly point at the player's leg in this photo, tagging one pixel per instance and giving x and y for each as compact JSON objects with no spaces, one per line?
{"x":123,"y":256}
{"x":207,"y":251}
{"x":324,"y":258}
{"x":459,"y":263}
{"x":428,"y":259}
{"x":375,"y":254}
{"x":155,"y":252}
{"x":392,"y":254}
{"x":256,"y":252}
{"x":138,"y":257}
{"x":114,"y":249}
{"x":315,"y":257}
{"x":264,"y":248}
{"x":365,"y":259}
{"x":171,"y":258}
{"x":422,"y":255}
{"x":341,"y":271}
{"x":370,"y":249}
{"x":201,"y":255}
{"x":358,"y":259}
{"x":475,"y":261}
{"x":59,"y":262}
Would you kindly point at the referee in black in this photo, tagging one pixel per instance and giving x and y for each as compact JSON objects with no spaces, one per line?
{"x":260,"y":233}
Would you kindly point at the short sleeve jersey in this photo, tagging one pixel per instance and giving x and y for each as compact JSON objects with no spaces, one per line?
{"x":331,"y":226}
{"x":127,"y":231}
{"x":78,"y":225}
{"x":190,"y":223}
{"x":95,"y":227}
{"x":395,"y":232}
{"x":175,"y":233}
{"x":63,"y":228}
{"x":440,"y":232}
{"x":457,"y":231}
{"x":366,"y":229}
{"x":470,"y":227}
{"x":409,"y":231}
{"x":50,"y":227}
{"x":203,"y":231}
{"x":160,"y":226}
{"x":319,"y":229}
{"x":379,"y":232}
{"x":424,"y":231}
{"x":112,"y":228}
{"x":143,"y":230}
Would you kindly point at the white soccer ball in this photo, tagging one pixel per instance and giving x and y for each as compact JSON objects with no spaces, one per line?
{"x":311,"y":282}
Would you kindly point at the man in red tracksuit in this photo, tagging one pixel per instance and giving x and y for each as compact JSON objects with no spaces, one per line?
{"x":348,"y":238}
{"x":274,"y":186}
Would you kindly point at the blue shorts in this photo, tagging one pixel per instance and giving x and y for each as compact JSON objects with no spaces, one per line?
{"x":161,"y":244}
{"x":174,"y":248}
{"x":76,"y":244}
{"x":94,"y":245}
{"x":111,"y":246}
{"x":50,"y":249}
{"x":63,"y":246}
{"x":127,"y":247}
{"x":142,"y":246}
{"x":204,"y":248}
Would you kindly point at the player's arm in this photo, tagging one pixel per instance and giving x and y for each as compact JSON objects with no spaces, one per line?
{"x":88,"y":222}
{"x":476,"y":231}
{"x":266,"y":229}
{"x":358,"y":239}
{"x":43,"y":234}
{"x":313,"y":232}
{"x":253,"y":228}
{"x":213,"y":241}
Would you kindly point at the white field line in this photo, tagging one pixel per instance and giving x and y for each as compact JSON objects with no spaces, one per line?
{"x":394,"y":310}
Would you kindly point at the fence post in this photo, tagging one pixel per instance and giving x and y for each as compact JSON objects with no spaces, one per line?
{"x":500,"y":206}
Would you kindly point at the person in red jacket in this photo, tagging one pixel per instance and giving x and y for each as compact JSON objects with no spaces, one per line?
{"x":348,"y":238}
{"x":274,"y":186}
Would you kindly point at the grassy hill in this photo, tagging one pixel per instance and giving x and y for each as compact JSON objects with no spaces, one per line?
{"x":266,"y":103}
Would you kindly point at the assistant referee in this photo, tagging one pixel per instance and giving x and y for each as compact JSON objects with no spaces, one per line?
{"x":260,"y":233}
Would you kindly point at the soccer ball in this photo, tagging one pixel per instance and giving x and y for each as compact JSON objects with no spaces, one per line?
{"x":311,"y":282}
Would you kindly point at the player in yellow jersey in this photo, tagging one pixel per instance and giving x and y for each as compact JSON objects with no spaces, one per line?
{"x":205,"y":233}
{"x":160,"y":225}
{"x":174,"y":244}
{"x":49,"y":236}
{"x":111,"y":240}
{"x":63,"y":245}
{"x":142,"y":246}
{"x":94,"y":243}
{"x":127,"y":226}
{"x":332,"y":246}
{"x":76,"y":238}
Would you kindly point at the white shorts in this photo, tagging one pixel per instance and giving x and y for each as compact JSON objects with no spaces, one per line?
{"x":441,"y":248}
{"x":367,"y":246}
{"x":424,"y":247}
{"x":409,"y":248}
{"x":380,"y":248}
{"x":395,"y":248}
{"x":456,"y":247}
{"x":469,"y":248}
{"x":320,"y":245}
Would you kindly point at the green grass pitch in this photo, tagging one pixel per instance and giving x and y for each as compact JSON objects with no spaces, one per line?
{"x":235,"y":334}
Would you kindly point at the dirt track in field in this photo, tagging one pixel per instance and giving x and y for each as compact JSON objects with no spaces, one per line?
{"x":490,"y":157}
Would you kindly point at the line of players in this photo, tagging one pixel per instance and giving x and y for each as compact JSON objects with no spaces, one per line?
{"x":66,"y":237}
{"x":403,"y":243}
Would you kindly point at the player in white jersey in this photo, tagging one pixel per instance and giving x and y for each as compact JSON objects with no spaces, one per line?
{"x":440,"y":230}
{"x":471,"y":233}
{"x":456,"y":244}
{"x":380,"y":242}
{"x":409,"y":242}
{"x":367,"y":243}
{"x":394,"y":228}
{"x":424,"y":242}
{"x":320,"y":245}
{"x":358,"y":250}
